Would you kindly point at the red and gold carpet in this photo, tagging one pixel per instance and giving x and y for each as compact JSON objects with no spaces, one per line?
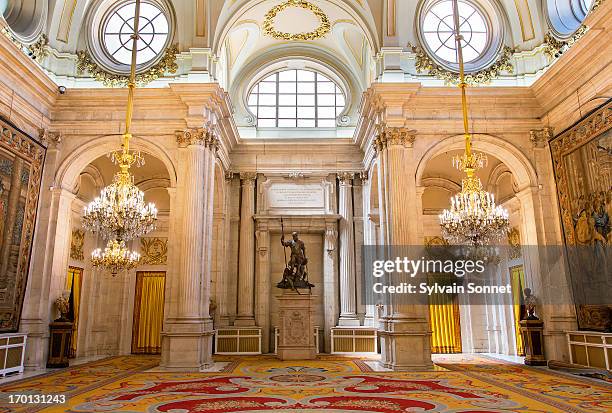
{"x":463,"y":384}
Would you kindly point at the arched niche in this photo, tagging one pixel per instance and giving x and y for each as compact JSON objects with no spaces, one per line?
{"x":25,"y":18}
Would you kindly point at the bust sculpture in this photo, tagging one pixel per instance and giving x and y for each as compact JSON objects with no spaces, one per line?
{"x":63,"y":306}
{"x":295,"y":274}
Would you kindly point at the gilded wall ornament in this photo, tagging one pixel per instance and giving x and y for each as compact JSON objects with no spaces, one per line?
{"x":514,"y":241}
{"x":319,"y":32}
{"x":539,"y":137}
{"x":425,"y":64}
{"x":76,"y":245}
{"x":154,"y":251}
{"x":393,"y":136}
{"x":85,"y":64}
{"x":554,"y":47}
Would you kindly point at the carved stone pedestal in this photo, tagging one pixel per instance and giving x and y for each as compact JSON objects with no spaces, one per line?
{"x":296,"y":332}
{"x":532,"y":332}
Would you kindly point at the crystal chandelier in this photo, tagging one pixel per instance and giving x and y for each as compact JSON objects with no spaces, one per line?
{"x":116,"y":257}
{"x":120,"y":214}
{"x":474,"y":218}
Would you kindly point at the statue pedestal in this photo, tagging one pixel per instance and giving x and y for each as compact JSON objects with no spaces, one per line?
{"x":533,"y":339}
{"x":296,"y":326}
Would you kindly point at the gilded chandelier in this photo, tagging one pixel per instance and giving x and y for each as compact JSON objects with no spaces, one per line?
{"x":115,"y":257}
{"x":474,"y":218}
{"x":120,"y":214}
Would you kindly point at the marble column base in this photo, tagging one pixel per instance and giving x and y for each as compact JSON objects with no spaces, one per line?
{"x":37,"y":343}
{"x":405,"y":345}
{"x":187,"y":345}
{"x":351,"y":321}
{"x":296,"y":333}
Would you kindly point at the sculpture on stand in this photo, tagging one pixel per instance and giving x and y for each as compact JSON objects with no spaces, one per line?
{"x":295,"y":274}
{"x":532,"y":330}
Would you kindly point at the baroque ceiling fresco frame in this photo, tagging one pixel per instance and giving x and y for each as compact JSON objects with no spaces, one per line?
{"x":17,"y":147}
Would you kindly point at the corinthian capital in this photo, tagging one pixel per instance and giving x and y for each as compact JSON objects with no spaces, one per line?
{"x":191,"y":136}
{"x":394,"y":136}
{"x":540,"y":137}
{"x":345,"y":178}
{"x":248,"y":177}
{"x":50,"y":139}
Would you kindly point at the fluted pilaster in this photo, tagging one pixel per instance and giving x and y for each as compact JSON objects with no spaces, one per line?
{"x":348,"y":303}
{"x":246,"y":269}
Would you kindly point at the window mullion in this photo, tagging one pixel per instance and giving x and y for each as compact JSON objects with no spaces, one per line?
{"x":316,"y":99}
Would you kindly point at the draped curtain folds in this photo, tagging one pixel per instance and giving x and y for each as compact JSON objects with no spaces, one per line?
{"x":74,"y":282}
{"x":517,"y":280}
{"x":148,"y":312}
{"x":444,"y":319}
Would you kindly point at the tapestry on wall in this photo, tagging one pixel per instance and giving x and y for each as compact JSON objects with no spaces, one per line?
{"x":582,"y":158}
{"x":21,"y":164}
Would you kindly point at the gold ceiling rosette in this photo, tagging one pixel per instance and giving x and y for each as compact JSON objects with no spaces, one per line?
{"x":319,"y":32}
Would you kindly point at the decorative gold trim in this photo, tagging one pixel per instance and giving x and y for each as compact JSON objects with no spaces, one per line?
{"x":37,"y":50}
{"x":167,"y":64}
{"x":424,"y":63}
{"x":319,"y":32}
{"x":554,"y":47}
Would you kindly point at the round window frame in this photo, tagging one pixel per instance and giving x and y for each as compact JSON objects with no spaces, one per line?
{"x":100,"y":12}
{"x":493,"y":17}
{"x":572,"y":4}
{"x":282,"y":65}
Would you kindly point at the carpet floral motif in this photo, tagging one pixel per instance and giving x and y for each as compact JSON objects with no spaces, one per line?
{"x":465,"y":384}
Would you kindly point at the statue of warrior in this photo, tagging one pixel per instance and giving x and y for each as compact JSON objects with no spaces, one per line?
{"x":298,"y":260}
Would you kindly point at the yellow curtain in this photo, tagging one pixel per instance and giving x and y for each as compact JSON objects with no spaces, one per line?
{"x":74,"y":280}
{"x":444,"y":319}
{"x":148,"y":312}
{"x":517,"y":280}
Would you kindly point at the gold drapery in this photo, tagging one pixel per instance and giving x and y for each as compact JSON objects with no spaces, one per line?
{"x":148,"y":312}
{"x":444,"y":319}
{"x":517,"y":282}
{"x":74,"y":280}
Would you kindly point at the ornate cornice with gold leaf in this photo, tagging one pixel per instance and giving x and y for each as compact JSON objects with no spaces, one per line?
{"x":319,"y":32}
{"x":37,"y":50}
{"x":424,"y":63}
{"x":554,"y":47}
{"x":167,"y":64}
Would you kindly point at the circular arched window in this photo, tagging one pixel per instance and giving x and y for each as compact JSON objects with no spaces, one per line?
{"x":566,"y":16}
{"x":112,"y":25}
{"x":296,"y":98}
{"x":152,"y":32}
{"x":479,"y":24}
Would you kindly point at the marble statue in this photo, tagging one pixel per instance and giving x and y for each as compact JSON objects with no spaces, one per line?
{"x":295,"y":274}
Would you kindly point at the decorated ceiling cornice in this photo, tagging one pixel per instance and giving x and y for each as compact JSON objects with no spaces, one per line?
{"x":167,"y":64}
{"x":555,"y":48}
{"x":37,"y":50}
{"x":319,"y":32}
{"x":424,"y":64}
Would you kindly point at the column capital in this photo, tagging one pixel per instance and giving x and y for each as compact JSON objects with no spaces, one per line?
{"x":345,"y":178}
{"x":229,"y":175}
{"x":539,"y":137}
{"x":50,"y":139}
{"x":248,"y":177}
{"x":197,"y":136}
{"x":394,"y":136}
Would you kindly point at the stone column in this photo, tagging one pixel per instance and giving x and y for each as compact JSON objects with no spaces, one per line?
{"x":348,"y":299}
{"x":263,"y":285}
{"x":330,"y":280}
{"x":404,"y":331}
{"x":187,"y":335}
{"x":246,"y":270}
{"x":226,"y":230}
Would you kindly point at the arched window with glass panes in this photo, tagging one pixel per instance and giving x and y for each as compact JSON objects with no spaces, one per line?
{"x":566,"y":16}
{"x":296,"y":98}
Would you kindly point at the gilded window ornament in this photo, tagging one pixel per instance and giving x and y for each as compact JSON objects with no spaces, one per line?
{"x":424,"y":64}
{"x":319,"y":32}
{"x":85,"y":64}
{"x":554,"y":47}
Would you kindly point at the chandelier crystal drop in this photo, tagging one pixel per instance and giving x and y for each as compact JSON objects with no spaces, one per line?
{"x":115,"y":257}
{"x":473,"y":219}
{"x":120,"y":214}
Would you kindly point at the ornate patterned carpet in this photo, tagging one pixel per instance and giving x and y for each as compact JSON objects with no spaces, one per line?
{"x":461,"y":384}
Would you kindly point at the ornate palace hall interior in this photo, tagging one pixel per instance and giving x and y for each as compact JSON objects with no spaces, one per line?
{"x":205,"y":204}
